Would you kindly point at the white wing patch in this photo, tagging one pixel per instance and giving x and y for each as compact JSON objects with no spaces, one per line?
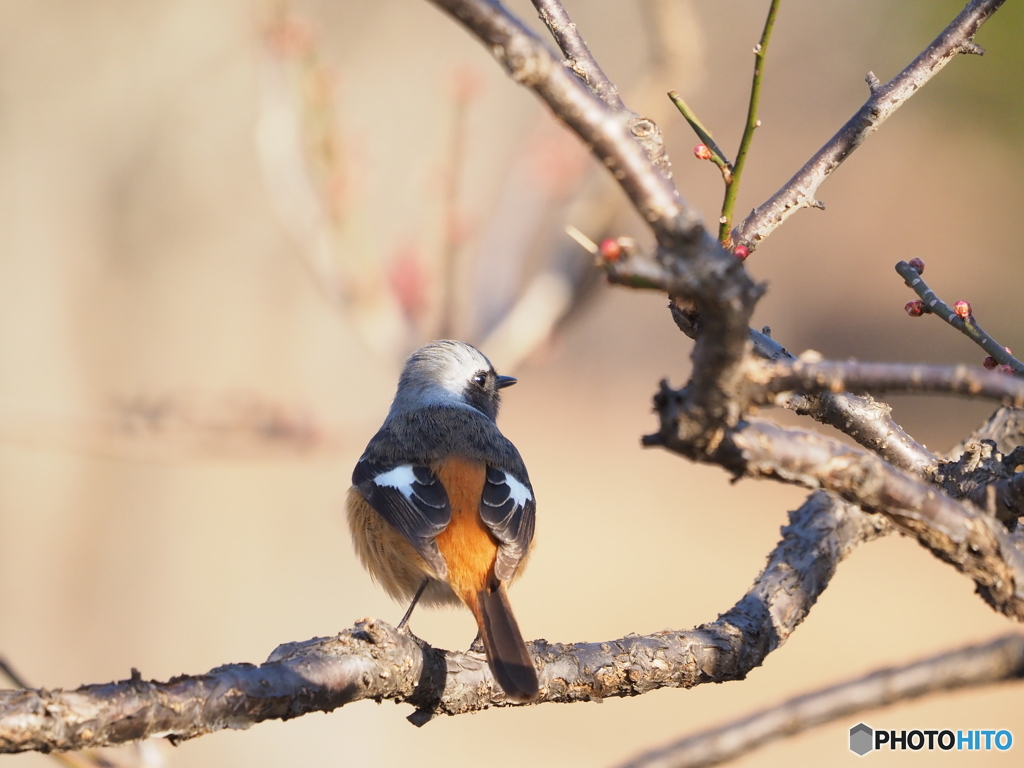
{"x":520,"y":493}
{"x":400,"y":478}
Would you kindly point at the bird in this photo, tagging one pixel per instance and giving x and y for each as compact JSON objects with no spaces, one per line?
{"x":441,"y":509}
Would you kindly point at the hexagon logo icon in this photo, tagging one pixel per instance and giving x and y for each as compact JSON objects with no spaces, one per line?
{"x":861,"y":739}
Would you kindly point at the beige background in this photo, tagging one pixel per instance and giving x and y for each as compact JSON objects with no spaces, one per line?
{"x":181,"y":405}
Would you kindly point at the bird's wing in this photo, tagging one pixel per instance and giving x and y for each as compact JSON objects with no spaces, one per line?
{"x":508,"y":508}
{"x":412,"y":500}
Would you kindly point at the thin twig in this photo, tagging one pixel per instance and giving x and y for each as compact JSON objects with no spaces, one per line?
{"x":732,"y":186}
{"x":577,"y":54}
{"x":833,"y":376}
{"x":997,"y":661}
{"x":968,"y":325}
{"x":8,"y":671}
{"x":717,"y":155}
{"x":799,"y":192}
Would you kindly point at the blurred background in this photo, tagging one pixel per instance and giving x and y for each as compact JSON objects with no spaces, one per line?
{"x":224,"y":225}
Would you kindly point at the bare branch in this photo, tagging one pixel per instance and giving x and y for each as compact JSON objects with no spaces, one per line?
{"x":1004,"y":498}
{"x":868,"y":422}
{"x":800,"y":191}
{"x":975,"y":665}
{"x":375,"y":661}
{"x":577,"y":54}
{"x":861,"y":417}
{"x":700,"y":269}
{"x":973,"y":542}
{"x":988,"y":478}
{"x":965,"y":323}
{"x":1005,"y":428}
{"x":606,"y":132}
{"x":833,"y":376}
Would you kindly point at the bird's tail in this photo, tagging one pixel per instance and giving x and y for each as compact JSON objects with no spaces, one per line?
{"x":507,"y":655}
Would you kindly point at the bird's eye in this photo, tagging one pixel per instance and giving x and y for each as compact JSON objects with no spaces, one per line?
{"x":480,"y":379}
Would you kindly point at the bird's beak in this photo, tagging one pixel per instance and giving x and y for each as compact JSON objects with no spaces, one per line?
{"x":506,"y":381}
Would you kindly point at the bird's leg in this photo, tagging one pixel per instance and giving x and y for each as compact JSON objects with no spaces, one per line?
{"x":477,"y":646}
{"x":415,"y":599}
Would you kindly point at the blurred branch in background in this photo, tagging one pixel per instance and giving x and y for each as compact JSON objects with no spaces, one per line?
{"x":180,"y":426}
{"x":998,"y":661}
{"x":516,"y":301}
{"x":303,"y":157}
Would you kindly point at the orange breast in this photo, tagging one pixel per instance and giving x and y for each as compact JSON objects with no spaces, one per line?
{"x":468,"y":547}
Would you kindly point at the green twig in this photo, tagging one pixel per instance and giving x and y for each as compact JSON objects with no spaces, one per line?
{"x":717,"y":156}
{"x":732,"y":187}
{"x":967,"y":326}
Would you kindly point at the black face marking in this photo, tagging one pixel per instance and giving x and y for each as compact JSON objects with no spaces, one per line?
{"x":481,"y":392}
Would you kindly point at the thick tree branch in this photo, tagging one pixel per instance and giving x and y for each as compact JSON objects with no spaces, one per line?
{"x":701,"y":270}
{"x":801,"y":190}
{"x":973,"y":542}
{"x":1004,"y":498}
{"x":375,"y":661}
{"x":997,"y":661}
{"x":987,"y":478}
{"x":867,"y":421}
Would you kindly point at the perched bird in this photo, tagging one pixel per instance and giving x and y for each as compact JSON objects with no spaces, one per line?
{"x":441,"y":508}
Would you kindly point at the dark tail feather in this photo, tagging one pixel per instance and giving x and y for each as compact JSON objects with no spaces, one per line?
{"x":507,"y":655}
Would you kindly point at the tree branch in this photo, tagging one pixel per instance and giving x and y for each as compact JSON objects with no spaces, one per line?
{"x":732,"y":184}
{"x":700,"y":269}
{"x":1005,"y":428}
{"x":376,"y":661}
{"x":997,"y":661}
{"x":976,"y":544}
{"x":868,"y":422}
{"x":768,"y":381}
{"x":800,"y":191}
{"x":605,"y":131}
{"x":966,"y":324}
{"x":577,"y":54}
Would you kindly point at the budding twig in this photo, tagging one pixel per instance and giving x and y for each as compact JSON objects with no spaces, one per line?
{"x":801,"y":190}
{"x":960,"y":316}
{"x":717,"y":155}
{"x":732,"y":188}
